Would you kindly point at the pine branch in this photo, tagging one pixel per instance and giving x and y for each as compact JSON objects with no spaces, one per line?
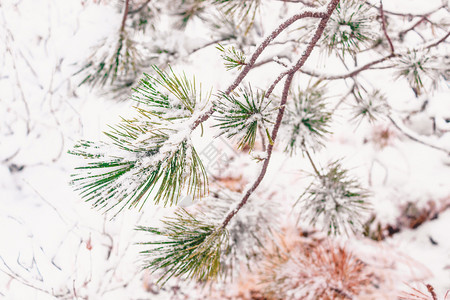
{"x":151,"y":154}
{"x":244,"y":10}
{"x":321,"y":27}
{"x":307,"y":120}
{"x":194,"y":246}
{"x":312,"y":13}
{"x":125,"y":15}
{"x":350,"y":26}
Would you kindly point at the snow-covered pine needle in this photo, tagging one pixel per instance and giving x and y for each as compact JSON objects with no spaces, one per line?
{"x":116,"y":59}
{"x":335,"y":201}
{"x":189,"y":238}
{"x":242,"y":114}
{"x":371,"y":106}
{"x":307,"y":120}
{"x":233,"y":58}
{"x":248,"y":230}
{"x":350,"y":26}
{"x":189,"y":246}
{"x":151,"y":152}
{"x":420,"y":68}
{"x":242,"y":10}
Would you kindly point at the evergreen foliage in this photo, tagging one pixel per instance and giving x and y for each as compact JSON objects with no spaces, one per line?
{"x":350,"y":27}
{"x":189,"y":246}
{"x":416,"y":66}
{"x":195,"y":245}
{"x":233,"y":58}
{"x":335,"y":200}
{"x":122,"y":64}
{"x":371,"y":107}
{"x":153,"y":151}
{"x":242,"y":114}
{"x":307,"y":119}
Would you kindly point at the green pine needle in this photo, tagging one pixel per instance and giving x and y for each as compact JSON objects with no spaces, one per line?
{"x":108,"y":64}
{"x":150,"y":155}
{"x":350,"y":27}
{"x":307,"y":120}
{"x":233,"y":58}
{"x":418,"y":67}
{"x":371,"y":107}
{"x":189,"y":247}
{"x":242,"y":114}
{"x":243,"y":10}
{"x":336,"y":201}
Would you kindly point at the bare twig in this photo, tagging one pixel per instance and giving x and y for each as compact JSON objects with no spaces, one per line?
{"x":351,"y":73}
{"x":415,"y":137}
{"x":383,"y":23}
{"x":434,"y":44}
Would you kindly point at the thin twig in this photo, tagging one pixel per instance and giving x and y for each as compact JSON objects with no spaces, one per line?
{"x":415,"y":138}
{"x":269,"y":153}
{"x":383,"y":23}
{"x":434,"y":44}
{"x":313,"y":164}
{"x":349,"y":74}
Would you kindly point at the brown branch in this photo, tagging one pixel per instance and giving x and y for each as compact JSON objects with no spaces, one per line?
{"x":431,"y":291}
{"x":125,"y":15}
{"x":290,"y":75}
{"x":403,"y":32}
{"x":305,"y":14}
{"x":269,"y":153}
{"x":383,"y":23}
{"x":268,"y":40}
{"x":349,"y":74}
{"x":358,"y":70}
{"x":438,"y":41}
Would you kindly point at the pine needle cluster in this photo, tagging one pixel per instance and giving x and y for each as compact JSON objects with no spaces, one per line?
{"x":371,"y":106}
{"x":351,"y":26}
{"x":249,"y":231}
{"x":306,"y":123}
{"x":115,"y":59}
{"x":420,"y":67}
{"x":243,"y":114}
{"x":335,"y":200}
{"x":243,"y":10}
{"x":233,"y":58}
{"x":195,"y":245}
{"x":151,"y":152}
{"x":189,"y":246}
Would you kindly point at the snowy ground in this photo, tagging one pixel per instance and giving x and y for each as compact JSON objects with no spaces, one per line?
{"x":54,"y":244}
